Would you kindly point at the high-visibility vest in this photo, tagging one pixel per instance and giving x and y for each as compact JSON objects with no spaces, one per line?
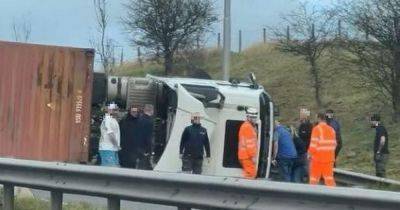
{"x":247,"y":141}
{"x":323,"y":143}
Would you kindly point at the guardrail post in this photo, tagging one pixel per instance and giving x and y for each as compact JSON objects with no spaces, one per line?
{"x":113,"y":203}
{"x":56,"y":200}
{"x":8,"y":197}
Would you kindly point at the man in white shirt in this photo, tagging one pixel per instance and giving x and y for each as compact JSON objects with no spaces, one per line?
{"x":110,"y":138}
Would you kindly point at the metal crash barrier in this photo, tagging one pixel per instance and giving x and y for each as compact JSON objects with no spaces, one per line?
{"x":181,"y":190}
{"x":357,"y":179}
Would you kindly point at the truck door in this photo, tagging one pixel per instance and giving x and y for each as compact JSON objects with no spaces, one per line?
{"x":186,"y":105}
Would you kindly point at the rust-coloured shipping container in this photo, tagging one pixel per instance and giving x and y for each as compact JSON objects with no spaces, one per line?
{"x":45,"y":102}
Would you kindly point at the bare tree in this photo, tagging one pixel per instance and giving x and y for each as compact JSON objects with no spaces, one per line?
{"x":379,"y":56}
{"x":164,"y":26}
{"x":105,"y":46}
{"x":308,"y":34}
{"x":21,"y":29}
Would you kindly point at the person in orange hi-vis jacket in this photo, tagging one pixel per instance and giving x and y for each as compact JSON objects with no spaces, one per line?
{"x":321,"y":152}
{"x":247,"y":151}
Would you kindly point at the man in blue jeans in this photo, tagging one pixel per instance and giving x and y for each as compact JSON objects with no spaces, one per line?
{"x":284,"y":153}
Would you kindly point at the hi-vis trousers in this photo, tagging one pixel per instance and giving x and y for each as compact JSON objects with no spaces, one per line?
{"x":325,"y":170}
{"x":249,"y":168}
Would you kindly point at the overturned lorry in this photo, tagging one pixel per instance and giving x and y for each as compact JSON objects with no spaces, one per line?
{"x":46,"y":104}
{"x":222,"y":105}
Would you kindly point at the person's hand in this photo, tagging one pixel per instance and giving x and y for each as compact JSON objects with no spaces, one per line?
{"x":378,"y":155}
{"x":274,"y":162}
{"x":180,"y":156}
{"x":208,"y":160}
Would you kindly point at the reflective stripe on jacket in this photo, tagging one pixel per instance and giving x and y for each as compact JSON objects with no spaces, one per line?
{"x":323,"y":143}
{"x":247,"y":141}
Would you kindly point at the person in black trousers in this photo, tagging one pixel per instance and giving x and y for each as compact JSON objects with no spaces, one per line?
{"x":299,"y":171}
{"x":381,"y":146}
{"x":147,"y":123}
{"x":135,"y":143}
{"x":330,"y":119}
{"x":302,"y":142}
{"x":305,"y":127}
{"x":193,"y":143}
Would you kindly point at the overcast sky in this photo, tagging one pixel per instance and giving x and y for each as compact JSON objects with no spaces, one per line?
{"x":72,"y":23}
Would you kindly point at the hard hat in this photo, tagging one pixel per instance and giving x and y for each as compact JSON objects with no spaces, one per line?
{"x":251,"y":112}
{"x":112,"y":105}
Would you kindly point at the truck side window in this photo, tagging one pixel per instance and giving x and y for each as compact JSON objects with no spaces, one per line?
{"x":231,"y":144}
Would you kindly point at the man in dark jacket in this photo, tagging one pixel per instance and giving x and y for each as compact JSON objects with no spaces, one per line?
{"x":193,"y":142}
{"x":305,"y":127}
{"x":134,"y":146}
{"x":130,"y":127}
{"x":381,"y":146}
{"x":330,"y":119}
{"x":146,"y":120}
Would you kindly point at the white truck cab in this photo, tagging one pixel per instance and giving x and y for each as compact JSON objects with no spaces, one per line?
{"x":222,"y":106}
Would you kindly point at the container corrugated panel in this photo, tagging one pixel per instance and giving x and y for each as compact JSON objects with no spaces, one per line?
{"x":45,"y":101}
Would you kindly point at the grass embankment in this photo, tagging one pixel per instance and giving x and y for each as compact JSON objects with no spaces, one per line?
{"x":287,"y":79}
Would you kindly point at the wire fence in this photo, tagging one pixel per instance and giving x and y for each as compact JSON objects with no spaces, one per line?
{"x":245,"y":38}
{"x":248,"y":37}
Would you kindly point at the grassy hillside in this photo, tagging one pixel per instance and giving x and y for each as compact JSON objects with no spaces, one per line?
{"x":286,"y":78}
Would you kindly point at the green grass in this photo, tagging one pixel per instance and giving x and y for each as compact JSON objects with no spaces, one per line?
{"x":134,"y":69}
{"x":287,"y":79}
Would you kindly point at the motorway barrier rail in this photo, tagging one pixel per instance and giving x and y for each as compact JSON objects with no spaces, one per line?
{"x":182,"y":190}
{"x":357,"y":179}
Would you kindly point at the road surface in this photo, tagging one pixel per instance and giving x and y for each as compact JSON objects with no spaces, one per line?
{"x":100,"y":203}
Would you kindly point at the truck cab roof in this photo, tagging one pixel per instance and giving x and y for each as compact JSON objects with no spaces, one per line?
{"x":241,"y":93}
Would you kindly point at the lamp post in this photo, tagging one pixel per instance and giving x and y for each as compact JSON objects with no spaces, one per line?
{"x":227,"y":40}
